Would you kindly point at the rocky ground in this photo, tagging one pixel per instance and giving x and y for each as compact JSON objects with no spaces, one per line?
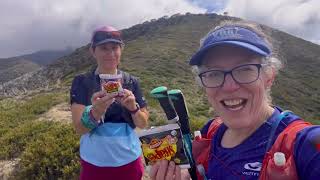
{"x":7,"y":168}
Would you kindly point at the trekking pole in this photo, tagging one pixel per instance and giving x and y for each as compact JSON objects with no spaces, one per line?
{"x":173,"y":102}
{"x":161,"y":93}
{"x":179,"y":103}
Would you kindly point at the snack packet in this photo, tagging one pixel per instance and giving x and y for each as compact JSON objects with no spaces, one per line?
{"x":163,"y":142}
{"x":111,"y":83}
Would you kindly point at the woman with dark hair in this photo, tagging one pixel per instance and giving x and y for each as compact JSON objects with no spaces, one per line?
{"x":109,"y":147}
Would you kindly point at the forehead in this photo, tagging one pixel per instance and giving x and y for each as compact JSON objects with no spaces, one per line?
{"x":228,"y":55}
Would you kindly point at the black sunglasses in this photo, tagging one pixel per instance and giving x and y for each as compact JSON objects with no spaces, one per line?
{"x":102,"y":35}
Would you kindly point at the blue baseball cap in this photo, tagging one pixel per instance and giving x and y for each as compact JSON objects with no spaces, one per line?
{"x":106,"y":34}
{"x":232,"y":35}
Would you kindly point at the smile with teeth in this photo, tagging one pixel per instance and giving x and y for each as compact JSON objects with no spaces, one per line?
{"x":234,"y":104}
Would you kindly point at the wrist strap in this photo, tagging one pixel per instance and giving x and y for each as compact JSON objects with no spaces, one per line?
{"x":87,"y":118}
{"x":97,"y":122}
{"x":136,"y":110}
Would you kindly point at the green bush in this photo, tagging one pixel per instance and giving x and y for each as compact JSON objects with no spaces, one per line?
{"x":48,"y":150}
{"x":54,"y":154}
{"x":17,"y":127}
{"x":16,"y":112}
{"x":14,"y":141}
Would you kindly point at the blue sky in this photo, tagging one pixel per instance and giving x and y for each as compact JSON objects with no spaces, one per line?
{"x":29,"y":26}
{"x":210,"y":5}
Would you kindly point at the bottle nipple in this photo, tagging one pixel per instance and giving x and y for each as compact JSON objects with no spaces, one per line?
{"x":197,"y":135}
{"x":279,"y":159}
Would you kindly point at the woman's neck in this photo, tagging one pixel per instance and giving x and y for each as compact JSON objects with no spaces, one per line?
{"x":106,"y":71}
{"x":234,"y":137}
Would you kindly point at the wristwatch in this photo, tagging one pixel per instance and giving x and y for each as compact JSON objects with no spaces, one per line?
{"x":136,"y":110}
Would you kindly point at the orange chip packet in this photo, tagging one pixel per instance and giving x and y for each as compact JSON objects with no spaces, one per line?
{"x":163,"y":142}
{"x":111,"y":83}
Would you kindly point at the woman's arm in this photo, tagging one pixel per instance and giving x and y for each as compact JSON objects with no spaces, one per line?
{"x":100,"y":102}
{"x":140,"y":118}
{"x":76,"y":112}
{"x":307,"y":153}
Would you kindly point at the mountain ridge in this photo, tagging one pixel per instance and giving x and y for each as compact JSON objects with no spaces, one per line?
{"x":162,"y":47}
{"x":14,"y":67}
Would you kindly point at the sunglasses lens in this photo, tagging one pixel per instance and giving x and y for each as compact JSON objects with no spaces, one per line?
{"x":101,"y":35}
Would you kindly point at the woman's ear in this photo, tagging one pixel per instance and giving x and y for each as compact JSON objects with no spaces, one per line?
{"x":198,"y":80}
{"x":91,"y":50}
{"x":270,"y":74}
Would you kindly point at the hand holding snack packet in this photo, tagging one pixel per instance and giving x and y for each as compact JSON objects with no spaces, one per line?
{"x":100,"y":102}
{"x":163,"y":143}
{"x":111,"y":83}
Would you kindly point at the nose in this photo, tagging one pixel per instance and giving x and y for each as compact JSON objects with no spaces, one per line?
{"x":230,"y":84}
{"x":109,"y":53}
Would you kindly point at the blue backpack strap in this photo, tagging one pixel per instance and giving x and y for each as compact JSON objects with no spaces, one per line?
{"x":275,"y":125}
{"x":202,"y":171}
{"x":128,"y":81}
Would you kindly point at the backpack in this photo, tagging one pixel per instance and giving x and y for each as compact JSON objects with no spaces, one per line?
{"x":284,"y":143}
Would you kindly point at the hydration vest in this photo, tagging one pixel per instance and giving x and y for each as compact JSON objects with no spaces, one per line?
{"x":284,"y":143}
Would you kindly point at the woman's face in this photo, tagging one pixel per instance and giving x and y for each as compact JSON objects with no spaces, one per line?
{"x":239,"y":105}
{"x":107,"y":55}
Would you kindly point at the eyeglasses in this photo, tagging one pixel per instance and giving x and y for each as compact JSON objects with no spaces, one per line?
{"x":102,"y":35}
{"x":243,"y":74}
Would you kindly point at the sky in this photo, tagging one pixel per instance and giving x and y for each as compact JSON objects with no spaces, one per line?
{"x":32,"y":25}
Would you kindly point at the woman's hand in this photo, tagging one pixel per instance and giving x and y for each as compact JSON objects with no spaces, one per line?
{"x":101,"y":102}
{"x":165,"y":170}
{"x":128,"y":100}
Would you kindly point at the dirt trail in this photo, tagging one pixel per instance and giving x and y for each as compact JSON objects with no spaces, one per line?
{"x":7,"y":168}
{"x":60,"y":113}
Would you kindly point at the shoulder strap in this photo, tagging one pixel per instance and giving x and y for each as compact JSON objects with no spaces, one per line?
{"x":126,"y":77}
{"x":284,"y":143}
{"x":127,"y":80}
{"x":201,"y":149}
{"x":286,"y":139}
{"x":275,"y":125}
{"x":214,"y":126}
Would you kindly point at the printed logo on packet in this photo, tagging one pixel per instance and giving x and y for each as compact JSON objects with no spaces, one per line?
{"x":160,"y":148}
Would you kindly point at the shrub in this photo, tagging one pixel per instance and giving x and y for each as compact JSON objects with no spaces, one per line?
{"x":54,"y":154}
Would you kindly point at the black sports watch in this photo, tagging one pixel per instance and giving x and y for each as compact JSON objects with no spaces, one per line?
{"x":136,"y":110}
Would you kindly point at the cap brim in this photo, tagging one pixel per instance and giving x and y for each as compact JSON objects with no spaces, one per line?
{"x":109,"y":40}
{"x":197,"y":58}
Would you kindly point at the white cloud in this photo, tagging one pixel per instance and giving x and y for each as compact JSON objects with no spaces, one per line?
{"x":27,"y":26}
{"x":298,"y":17}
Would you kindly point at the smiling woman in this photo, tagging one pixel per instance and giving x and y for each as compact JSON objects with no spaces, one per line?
{"x":106,"y":119}
{"x":251,"y":139}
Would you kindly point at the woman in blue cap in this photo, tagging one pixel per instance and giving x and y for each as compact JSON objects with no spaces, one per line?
{"x":252,"y":139}
{"x":109,"y":147}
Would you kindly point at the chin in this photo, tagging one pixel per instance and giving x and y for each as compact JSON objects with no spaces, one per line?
{"x":236,"y":120}
{"x":109,"y":66}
